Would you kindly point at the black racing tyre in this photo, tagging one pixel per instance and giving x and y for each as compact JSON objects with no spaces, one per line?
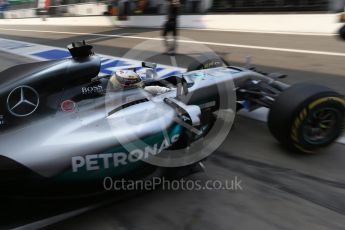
{"x":205,"y":62}
{"x":307,"y":117}
{"x":342,"y":32}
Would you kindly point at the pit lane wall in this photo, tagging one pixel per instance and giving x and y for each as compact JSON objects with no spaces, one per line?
{"x":289,"y":23}
{"x":84,"y":9}
{"x":294,"y":23}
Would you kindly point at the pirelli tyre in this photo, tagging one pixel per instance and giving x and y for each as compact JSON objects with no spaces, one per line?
{"x":204,"y":62}
{"x":342,"y":32}
{"x":307,"y":117}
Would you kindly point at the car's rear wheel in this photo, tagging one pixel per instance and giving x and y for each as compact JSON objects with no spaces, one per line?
{"x":307,"y":117}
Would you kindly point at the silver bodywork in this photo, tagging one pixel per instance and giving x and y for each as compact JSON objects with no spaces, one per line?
{"x":47,"y":145}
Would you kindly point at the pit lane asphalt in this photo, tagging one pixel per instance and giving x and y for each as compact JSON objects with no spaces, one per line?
{"x":299,"y":66}
{"x":280,"y":189}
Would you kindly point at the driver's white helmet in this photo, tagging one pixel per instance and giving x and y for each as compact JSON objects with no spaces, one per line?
{"x":125,"y":79}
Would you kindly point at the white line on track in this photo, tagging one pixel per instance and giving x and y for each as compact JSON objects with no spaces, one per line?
{"x":288,"y":50}
{"x":58,"y":218}
{"x":264,"y":32}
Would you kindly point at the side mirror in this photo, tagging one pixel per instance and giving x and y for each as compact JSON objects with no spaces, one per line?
{"x":149,"y":65}
{"x":151,"y":74}
{"x":182,"y":87}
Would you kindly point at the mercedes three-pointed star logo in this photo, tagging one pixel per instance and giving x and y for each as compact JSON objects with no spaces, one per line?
{"x":22,"y":101}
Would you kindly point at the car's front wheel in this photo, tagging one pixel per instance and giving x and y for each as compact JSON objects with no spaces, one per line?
{"x":307,"y":117}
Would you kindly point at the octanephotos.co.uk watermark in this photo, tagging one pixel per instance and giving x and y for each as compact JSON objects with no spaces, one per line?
{"x":233,"y":184}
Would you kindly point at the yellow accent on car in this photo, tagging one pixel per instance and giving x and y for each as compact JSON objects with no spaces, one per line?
{"x":301,"y":116}
{"x":294,"y":137}
{"x":322,"y":126}
{"x":305,"y":113}
{"x":298,"y":121}
{"x":321,"y":100}
{"x":294,"y":130}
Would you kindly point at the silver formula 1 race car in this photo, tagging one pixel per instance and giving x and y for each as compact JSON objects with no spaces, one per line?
{"x":62,"y":124}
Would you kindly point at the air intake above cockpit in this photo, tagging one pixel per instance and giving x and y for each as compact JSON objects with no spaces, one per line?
{"x":80,"y":49}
